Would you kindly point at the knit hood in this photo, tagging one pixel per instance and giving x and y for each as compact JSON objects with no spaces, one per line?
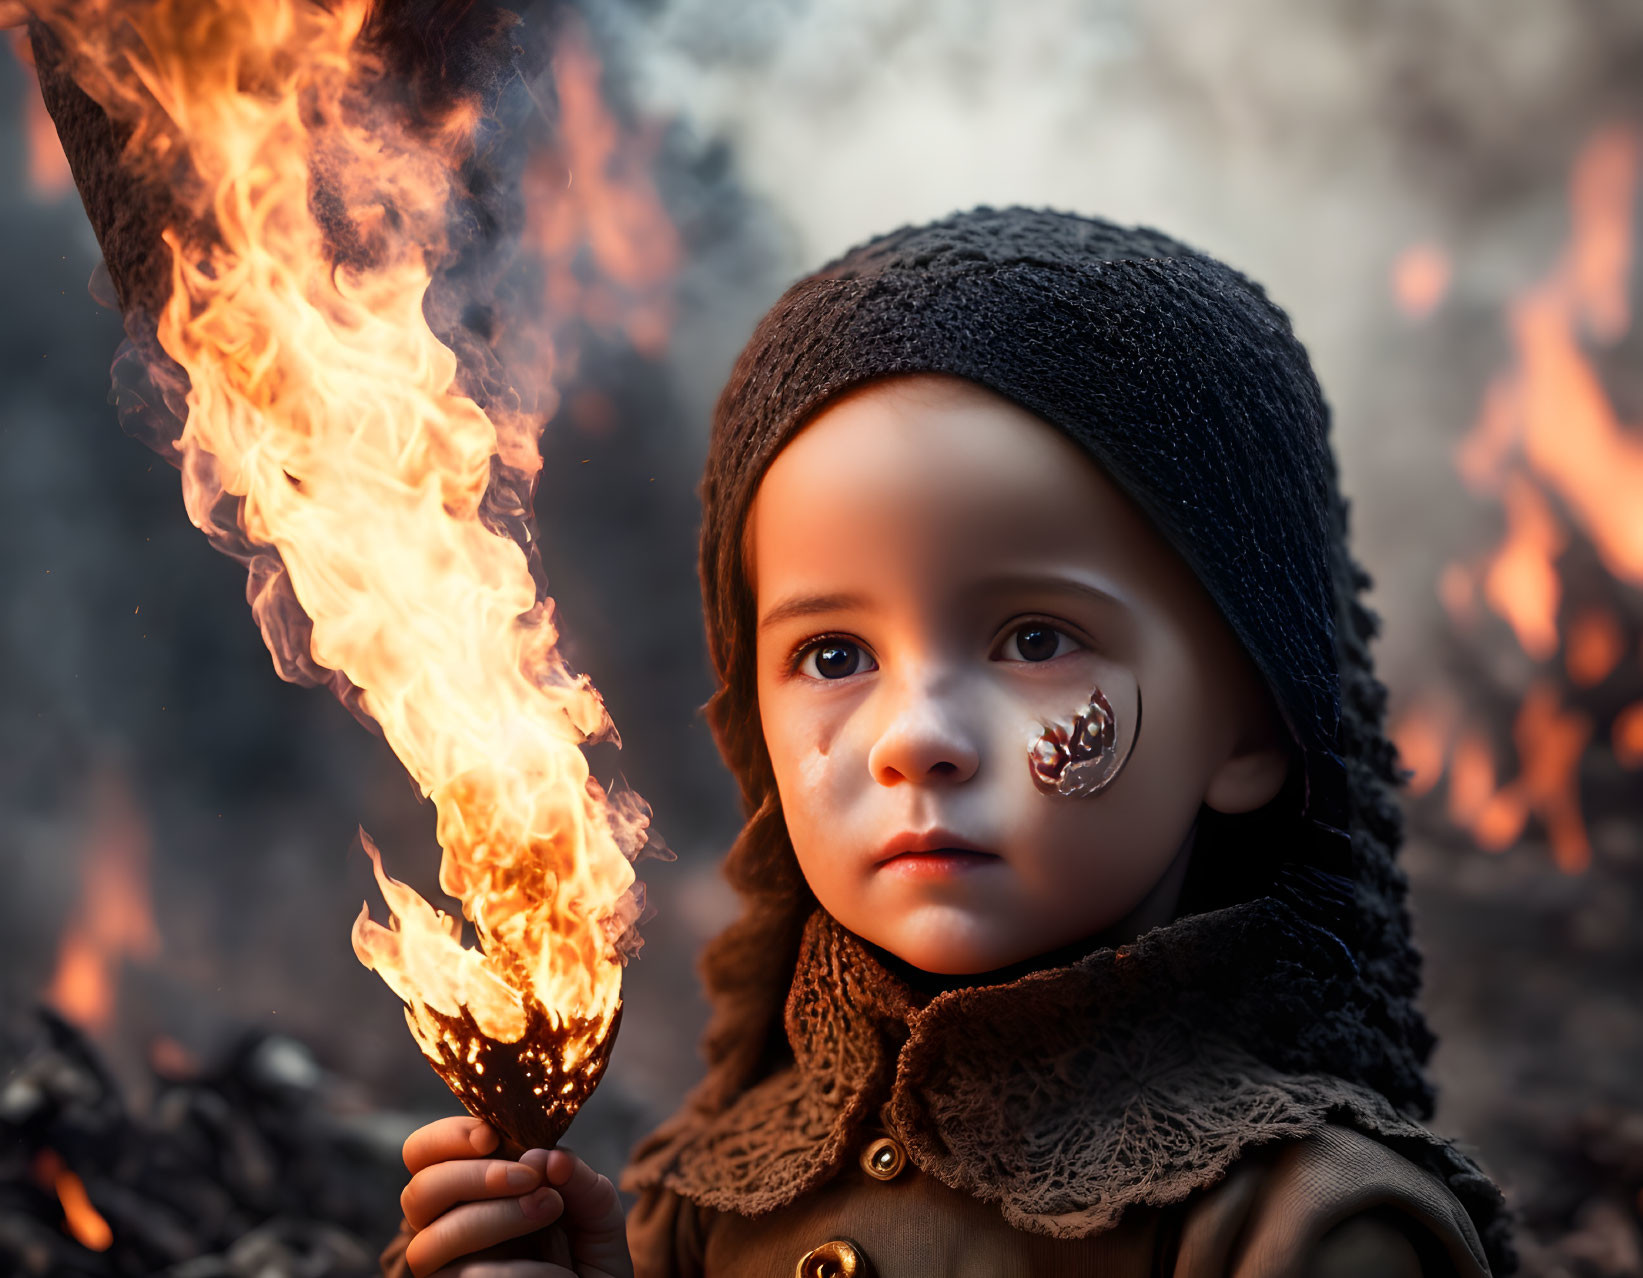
{"x":1187,"y":386}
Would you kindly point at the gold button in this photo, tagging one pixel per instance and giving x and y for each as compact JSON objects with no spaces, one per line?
{"x":840,"y":1258}
{"x":884,"y":1158}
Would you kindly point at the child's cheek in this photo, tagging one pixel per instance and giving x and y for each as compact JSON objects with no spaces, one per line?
{"x":832,"y":771}
{"x":813,"y":770}
{"x":814,"y":755}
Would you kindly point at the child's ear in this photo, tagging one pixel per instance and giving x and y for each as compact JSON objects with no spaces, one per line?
{"x":1248,"y":779}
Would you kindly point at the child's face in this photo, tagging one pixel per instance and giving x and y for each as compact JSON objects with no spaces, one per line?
{"x":937,"y":574}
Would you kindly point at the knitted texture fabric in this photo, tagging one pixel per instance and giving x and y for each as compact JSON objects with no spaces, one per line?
{"x":1186,"y":385}
{"x":1067,"y":1096}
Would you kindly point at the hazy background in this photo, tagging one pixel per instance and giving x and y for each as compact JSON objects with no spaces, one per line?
{"x":1312,"y":143}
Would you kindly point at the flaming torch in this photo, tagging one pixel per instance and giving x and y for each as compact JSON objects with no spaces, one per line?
{"x":273,"y":202}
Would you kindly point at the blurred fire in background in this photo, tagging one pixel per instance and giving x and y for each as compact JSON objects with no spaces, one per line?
{"x":1451,"y":216}
{"x":593,"y":214}
{"x":113,"y":920}
{"x":1552,"y":450}
{"x":46,"y":170}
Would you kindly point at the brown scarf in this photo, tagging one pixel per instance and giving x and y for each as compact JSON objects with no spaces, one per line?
{"x":1066,"y":1096}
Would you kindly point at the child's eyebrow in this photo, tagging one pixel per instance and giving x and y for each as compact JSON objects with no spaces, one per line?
{"x":1006,"y":583}
{"x":808,"y":606}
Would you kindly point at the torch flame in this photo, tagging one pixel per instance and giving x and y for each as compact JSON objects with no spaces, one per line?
{"x":323,"y":414}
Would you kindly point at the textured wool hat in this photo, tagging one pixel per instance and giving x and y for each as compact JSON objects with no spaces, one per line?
{"x":1173,"y":371}
{"x":1187,"y":386}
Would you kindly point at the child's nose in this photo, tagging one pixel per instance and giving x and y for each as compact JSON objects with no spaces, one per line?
{"x":924,"y":740}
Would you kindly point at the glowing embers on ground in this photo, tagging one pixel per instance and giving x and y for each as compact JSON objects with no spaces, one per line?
{"x":327,"y":445}
{"x":83,"y":1221}
{"x":1549,"y":445}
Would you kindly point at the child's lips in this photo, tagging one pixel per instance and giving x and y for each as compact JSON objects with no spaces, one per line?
{"x":940,"y":863}
{"x":937,"y":852}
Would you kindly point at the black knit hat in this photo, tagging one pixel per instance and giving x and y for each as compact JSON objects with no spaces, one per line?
{"x":1172,"y":370}
{"x":1186,"y":384}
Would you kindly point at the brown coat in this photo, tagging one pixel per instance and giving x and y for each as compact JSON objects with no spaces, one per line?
{"x":1335,"y":1205}
{"x":1092,"y":1119}
{"x":1087,"y":1119}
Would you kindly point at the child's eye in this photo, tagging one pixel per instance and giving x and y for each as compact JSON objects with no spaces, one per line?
{"x":834,"y":659}
{"x":1035,"y":641}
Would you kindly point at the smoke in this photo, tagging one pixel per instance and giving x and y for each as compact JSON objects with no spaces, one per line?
{"x":1311,"y":143}
{"x":1308,"y":142}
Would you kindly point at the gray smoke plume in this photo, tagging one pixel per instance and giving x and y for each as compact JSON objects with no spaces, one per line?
{"x":1308,"y":142}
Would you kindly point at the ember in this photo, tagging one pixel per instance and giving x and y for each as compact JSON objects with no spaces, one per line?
{"x":298,"y":201}
{"x":90,"y":1230}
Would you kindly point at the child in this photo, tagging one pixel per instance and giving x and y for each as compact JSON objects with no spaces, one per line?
{"x":1073,"y":941}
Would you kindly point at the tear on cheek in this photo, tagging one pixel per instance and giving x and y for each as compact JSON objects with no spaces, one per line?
{"x":1081,"y":753}
{"x":813,"y":768}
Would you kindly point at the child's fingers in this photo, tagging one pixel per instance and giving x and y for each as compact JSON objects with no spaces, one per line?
{"x":503,"y":1269}
{"x":434,"y":1190}
{"x":592,"y":1205}
{"x":472,"y":1227}
{"x":446,"y":1138}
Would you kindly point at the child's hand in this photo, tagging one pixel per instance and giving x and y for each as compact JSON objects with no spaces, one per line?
{"x":461,"y":1203}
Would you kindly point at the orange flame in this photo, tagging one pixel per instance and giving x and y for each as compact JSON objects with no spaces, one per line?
{"x":1593,"y":648}
{"x":48,"y":173}
{"x":1471,"y":777}
{"x":1420,"y":279}
{"x":1522,"y":582}
{"x":1549,"y":444}
{"x":1552,"y":407}
{"x":1571,"y":434}
{"x":84,"y":1221}
{"x":1627,"y":736}
{"x":1600,"y":258}
{"x":1549,"y":741}
{"x":322,"y":405}
{"x":114,"y":920}
{"x":594,"y":215}
{"x":1421,"y":734}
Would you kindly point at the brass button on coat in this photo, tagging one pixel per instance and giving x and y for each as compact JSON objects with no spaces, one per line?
{"x":839,"y":1258}
{"x":884,"y":1158}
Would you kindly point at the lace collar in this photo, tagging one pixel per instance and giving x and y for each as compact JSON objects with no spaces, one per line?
{"x":1130,"y":1077}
